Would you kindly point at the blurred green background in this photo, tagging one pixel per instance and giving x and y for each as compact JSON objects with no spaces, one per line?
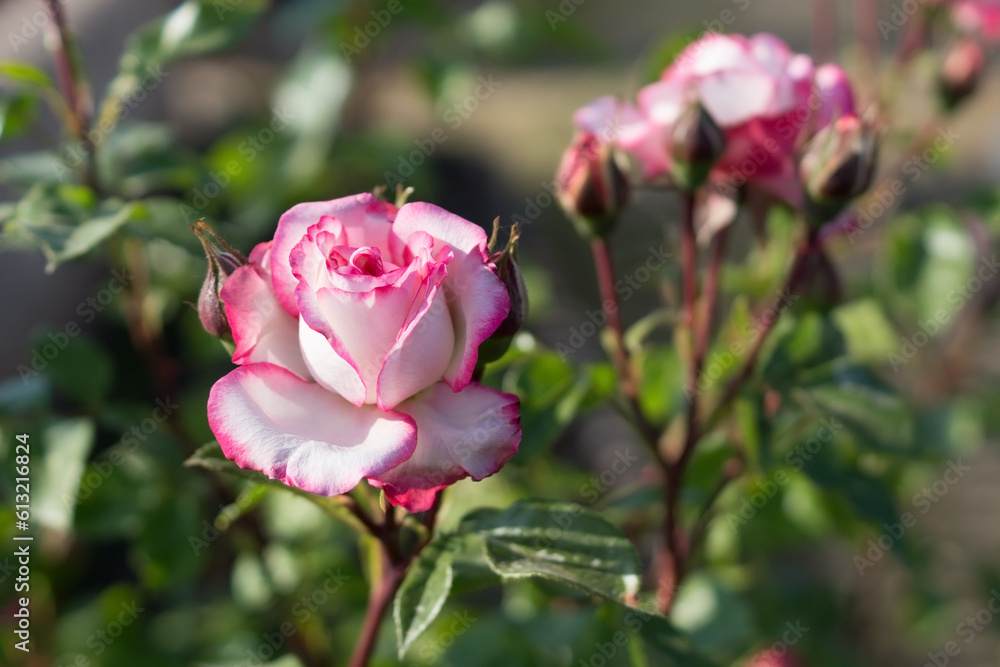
{"x":139,"y":560}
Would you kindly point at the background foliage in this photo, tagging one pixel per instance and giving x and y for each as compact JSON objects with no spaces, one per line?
{"x":866,"y":402}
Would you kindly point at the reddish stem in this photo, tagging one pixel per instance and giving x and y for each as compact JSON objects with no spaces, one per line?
{"x":671,"y":560}
{"x":628,"y":383}
{"x":379,"y":600}
{"x":393,"y":571}
{"x":711,"y":295}
{"x":795,"y":276}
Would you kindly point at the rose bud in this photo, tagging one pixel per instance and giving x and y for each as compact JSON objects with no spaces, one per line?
{"x":838,"y":165}
{"x":221,"y":264}
{"x":696,"y":144}
{"x":509,"y":272}
{"x":591,"y":186}
{"x":772,"y":658}
{"x":960,"y":72}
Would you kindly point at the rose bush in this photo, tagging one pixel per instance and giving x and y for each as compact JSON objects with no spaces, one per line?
{"x":357,"y":332}
{"x":761,"y":94}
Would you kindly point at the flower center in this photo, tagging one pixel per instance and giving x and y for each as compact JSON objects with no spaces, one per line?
{"x":367,"y":260}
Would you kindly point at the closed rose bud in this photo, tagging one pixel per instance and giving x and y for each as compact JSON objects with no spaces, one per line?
{"x":509,"y":272}
{"x":960,"y":72}
{"x":696,"y":144}
{"x":838,"y":165}
{"x":591,"y":186}
{"x":221,"y":264}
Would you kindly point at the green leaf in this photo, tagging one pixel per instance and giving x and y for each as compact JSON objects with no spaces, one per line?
{"x":714,"y":615}
{"x":868,"y":333}
{"x":24,"y":74}
{"x":210,"y":457}
{"x":422,"y":594}
{"x":65,"y":221}
{"x":65,"y":447}
{"x":26,"y":170}
{"x":662,"y":384}
{"x":551,"y":393}
{"x":812,"y":341}
{"x":930,"y":259}
{"x":870,"y":411}
{"x":195,"y":27}
{"x":558,"y":541}
{"x":17,"y":110}
{"x":91,"y":233}
{"x":81,"y":369}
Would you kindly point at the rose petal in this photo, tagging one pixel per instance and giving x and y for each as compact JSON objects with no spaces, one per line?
{"x":332,"y":369}
{"x":361,"y":327}
{"x":477,"y":300}
{"x":262,"y":330}
{"x":423,"y":348}
{"x":471,"y":433}
{"x":268,"y":419}
{"x":366,"y":220}
{"x":735,"y":96}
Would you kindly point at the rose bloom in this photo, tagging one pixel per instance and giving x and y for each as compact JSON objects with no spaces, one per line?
{"x":761,"y":94}
{"x":980,"y":17}
{"x":357,"y":332}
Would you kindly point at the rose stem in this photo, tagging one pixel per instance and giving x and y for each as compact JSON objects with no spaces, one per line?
{"x":671,"y":559}
{"x":628,"y":383}
{"x":68,"y":75}
{"x":393,"y":571}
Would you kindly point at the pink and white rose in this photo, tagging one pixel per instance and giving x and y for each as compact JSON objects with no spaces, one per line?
{"x":357,"y":332}
{"x":761,"y":94}
{"x":979,"y":17}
